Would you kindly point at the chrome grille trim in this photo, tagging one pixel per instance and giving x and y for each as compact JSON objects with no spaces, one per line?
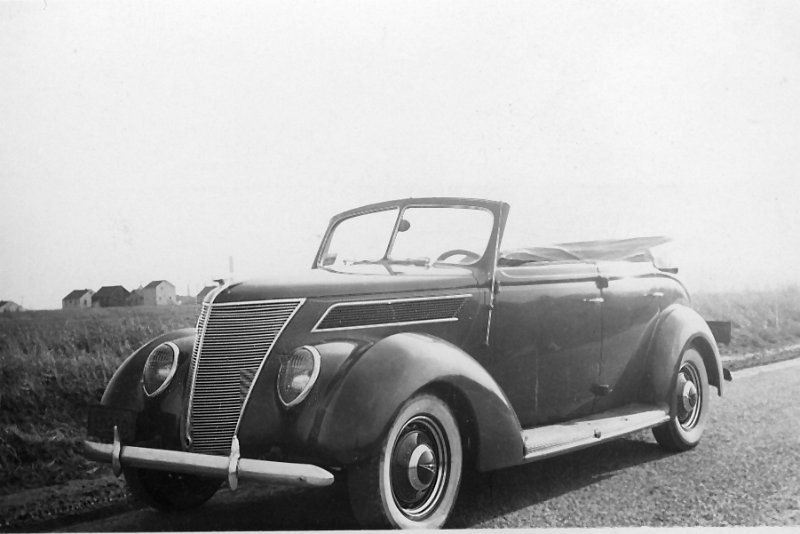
{"x":196,"y":349}
{"x":234,"y":340}
{"x":453,"y":316}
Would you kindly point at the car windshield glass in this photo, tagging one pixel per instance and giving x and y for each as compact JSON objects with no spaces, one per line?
{"x":446,"y":235}
{"x":363,"y":238}
{"x":424,"y":235}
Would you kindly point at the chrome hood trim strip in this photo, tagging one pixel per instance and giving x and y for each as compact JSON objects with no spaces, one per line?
{"x":452,"y":317}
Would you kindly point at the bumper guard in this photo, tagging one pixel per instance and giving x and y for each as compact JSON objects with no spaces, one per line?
{"x":233,"y":468}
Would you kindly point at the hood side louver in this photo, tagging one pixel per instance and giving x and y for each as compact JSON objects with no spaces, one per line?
{"x":348,"y":315}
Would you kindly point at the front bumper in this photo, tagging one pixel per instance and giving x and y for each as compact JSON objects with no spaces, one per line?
{"x":233,"y":468}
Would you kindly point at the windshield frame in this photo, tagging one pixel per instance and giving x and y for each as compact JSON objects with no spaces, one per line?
{"x":486,"y":264}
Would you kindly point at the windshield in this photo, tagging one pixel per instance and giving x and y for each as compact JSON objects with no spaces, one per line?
{"x":424,"y":235}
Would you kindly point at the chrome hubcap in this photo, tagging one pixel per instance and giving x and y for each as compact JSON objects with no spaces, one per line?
{"x":419,"y":467}
{"x":689,"y":396}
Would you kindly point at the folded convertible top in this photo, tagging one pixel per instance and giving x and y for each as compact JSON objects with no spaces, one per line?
{"x":632,"y":249}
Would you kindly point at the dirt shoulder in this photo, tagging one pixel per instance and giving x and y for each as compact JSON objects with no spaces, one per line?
{"x":34,"y":509}
{"x":41,"y":509}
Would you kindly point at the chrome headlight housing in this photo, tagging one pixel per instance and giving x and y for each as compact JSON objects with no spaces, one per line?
{"x":297,"y":375}
{"x":160,"y":368}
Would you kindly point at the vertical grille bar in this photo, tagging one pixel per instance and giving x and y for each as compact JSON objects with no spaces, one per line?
{"x":233,"y":341}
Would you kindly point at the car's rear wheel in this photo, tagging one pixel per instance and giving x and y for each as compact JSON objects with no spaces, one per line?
{"x":413,"y":481}
{"x":684,"y":430}
{"x":168,"y":491}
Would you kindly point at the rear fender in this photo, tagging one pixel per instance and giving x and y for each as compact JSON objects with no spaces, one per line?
{"x":361,"y":406}
{"x":679,"y":328}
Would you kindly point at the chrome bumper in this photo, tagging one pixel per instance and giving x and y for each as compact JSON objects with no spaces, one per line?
{"x":233,"y":468}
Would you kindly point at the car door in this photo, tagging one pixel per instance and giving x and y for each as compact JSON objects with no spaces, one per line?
{"x":631,"y":303}
{"x":545,"y":343}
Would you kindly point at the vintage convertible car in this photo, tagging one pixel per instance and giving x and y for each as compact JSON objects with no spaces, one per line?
{"x":413,"y":349}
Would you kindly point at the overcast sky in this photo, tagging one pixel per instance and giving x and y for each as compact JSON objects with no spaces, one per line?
{"x":153,"y":140}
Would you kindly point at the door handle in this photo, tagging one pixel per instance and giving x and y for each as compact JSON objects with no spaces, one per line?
{"x":595,"y":300}
{"x":657,"y":294}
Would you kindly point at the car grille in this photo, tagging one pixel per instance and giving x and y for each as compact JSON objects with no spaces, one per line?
{"x":233,"y":340}
{"x":392,"y":312}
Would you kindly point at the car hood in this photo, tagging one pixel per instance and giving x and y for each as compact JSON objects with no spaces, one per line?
{"x":329,"y":283}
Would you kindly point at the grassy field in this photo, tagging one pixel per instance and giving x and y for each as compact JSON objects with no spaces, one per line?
{"x":54,"y":364}
{"x":761,"y":320}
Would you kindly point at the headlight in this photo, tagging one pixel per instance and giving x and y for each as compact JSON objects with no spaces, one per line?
{"x":160,"y":368}
{"x":297,"y":375}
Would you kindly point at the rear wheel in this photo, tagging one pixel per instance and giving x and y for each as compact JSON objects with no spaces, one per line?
{"x":413,"y":482}
{"x":168,"y":491}
{"x":684,"y":430}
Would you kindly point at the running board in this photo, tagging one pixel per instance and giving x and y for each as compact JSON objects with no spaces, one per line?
{"x":546,"y":441}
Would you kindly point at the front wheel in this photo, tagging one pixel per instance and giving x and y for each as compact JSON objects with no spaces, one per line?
{"x":684,"y":430}
{"x":413,"y":481}
{"x":170,"y":492}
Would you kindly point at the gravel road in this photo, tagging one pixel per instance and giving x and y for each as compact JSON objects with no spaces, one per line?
{"x":746,"y":471}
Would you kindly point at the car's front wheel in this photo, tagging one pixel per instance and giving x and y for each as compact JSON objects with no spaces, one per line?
{"x":684,"y":430}
{"x":168,"y":491}
{"x":413,"y":481}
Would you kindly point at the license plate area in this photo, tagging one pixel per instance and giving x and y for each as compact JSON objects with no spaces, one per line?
{"x":103,"y":419}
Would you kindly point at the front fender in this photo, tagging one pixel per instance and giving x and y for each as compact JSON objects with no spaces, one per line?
{"x":361,"y":406}
{"x":124,"y":390}
{"x":679,"y":328}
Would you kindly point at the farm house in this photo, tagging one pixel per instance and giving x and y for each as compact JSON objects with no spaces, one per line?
{"x":158,"y":293}
{"x":77,"y":298}
{"x":8,"y":306}
{"x":109,"y":296}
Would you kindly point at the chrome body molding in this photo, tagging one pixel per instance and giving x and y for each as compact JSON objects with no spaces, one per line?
{"x":319,"y":326}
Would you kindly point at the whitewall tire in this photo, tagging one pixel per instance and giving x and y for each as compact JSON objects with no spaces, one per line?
{"x":413,"y":482}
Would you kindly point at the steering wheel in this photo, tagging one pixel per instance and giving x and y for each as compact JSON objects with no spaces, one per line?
{"x":468,"y":255}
